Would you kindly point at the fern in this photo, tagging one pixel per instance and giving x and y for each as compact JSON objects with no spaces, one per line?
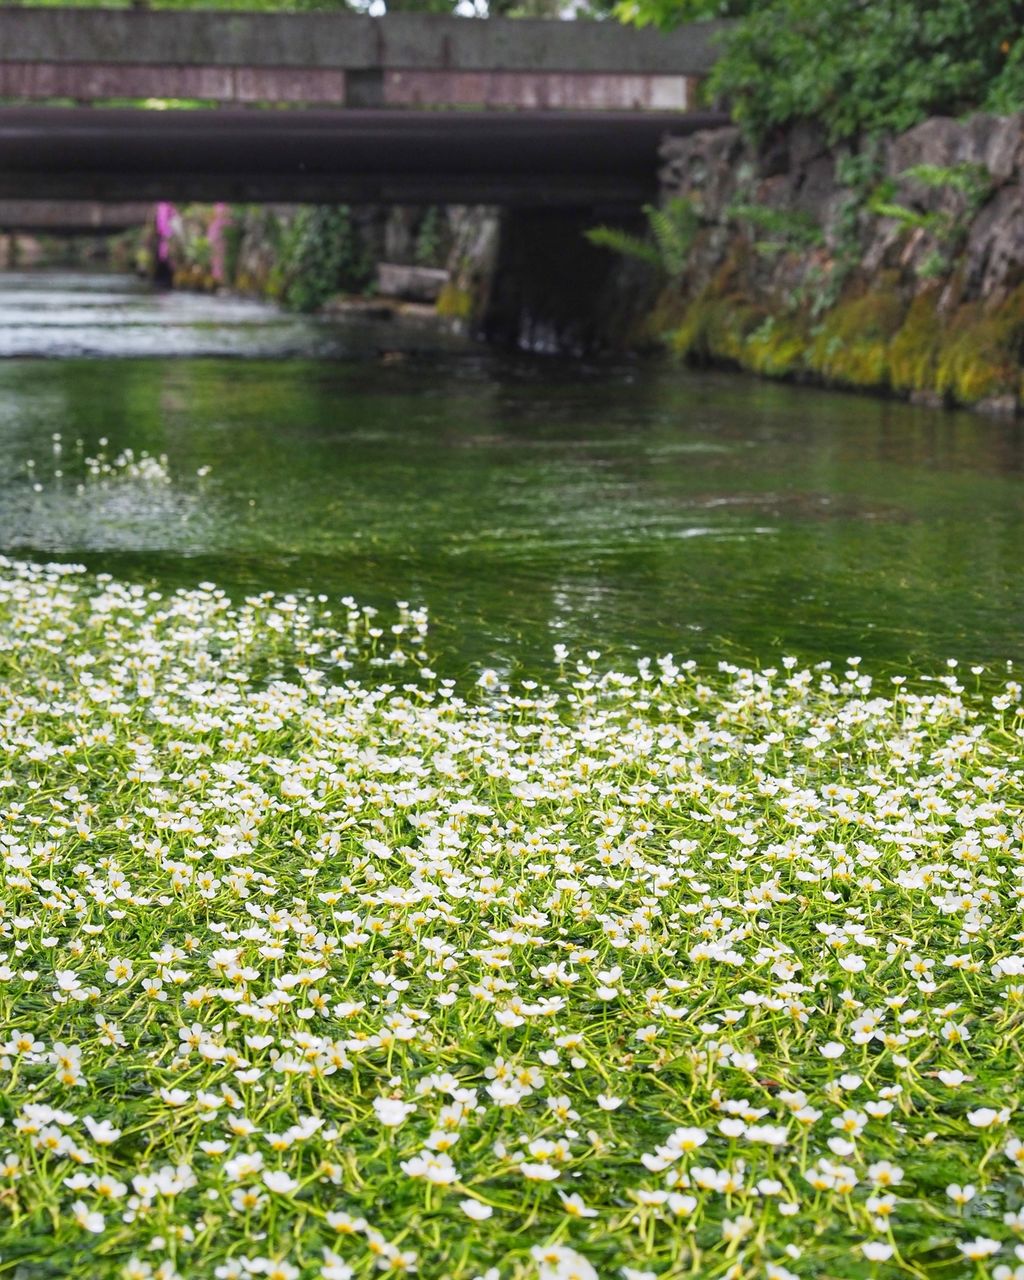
{"x":971,"y":179}
{"x":629,"y":246}
{"x":900,"y":213}
{"x":791,"y":228}
{"x":672,"y":229}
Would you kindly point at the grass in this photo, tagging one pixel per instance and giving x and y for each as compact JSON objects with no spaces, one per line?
{"x":315,"y":964}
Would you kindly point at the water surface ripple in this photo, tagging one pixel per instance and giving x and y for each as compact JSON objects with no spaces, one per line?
{"x":626,"y":506}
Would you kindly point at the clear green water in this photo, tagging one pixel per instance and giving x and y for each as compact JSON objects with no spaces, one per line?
{"x":629,"y":507}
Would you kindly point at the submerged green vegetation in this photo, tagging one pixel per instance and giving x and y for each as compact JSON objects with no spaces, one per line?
{"x":317,"y":964}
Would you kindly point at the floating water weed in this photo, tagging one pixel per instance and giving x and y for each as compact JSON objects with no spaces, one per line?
{"x":312,"y":965}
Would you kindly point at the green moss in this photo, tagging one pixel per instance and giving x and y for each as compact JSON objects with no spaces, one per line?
{"x":277,"y":282}
{"x":980,"y":351}
{"x":873,"y":339}
{"x":851,"y":345}
{"x":716,"y":329}
{"x":454,"y":303}
{"x":689,"y":338}
{"x":915,"y":347}
{"x":667,"y":315}
{"x":730,"y":325}
{"x":777,"y":348}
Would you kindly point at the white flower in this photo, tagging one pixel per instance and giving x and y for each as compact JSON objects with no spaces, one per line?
{"x":986,"y":1117}
{"x":102,"y":1131}
{"x":576,"y":1207}
{"x":876,"y":1250}
{"x":961,"y":1195}
{"x":433,"y":1166}
{"x":88,"y":1219}
{"x":280,"y":1182}
{"x":980,"y":1247}
{"x":393,"y":1111}
{"x":120,"y":971}
{"x":885,"y":1174}
{"x":475,"y":1209}
{"x":775,"y":1135}
{"x":559,"y":1262}
{"x":334,"y":1268}
{"x":681,"y":1205}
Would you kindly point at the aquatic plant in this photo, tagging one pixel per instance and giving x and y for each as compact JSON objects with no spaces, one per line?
{"x":90,"y":472}
{"x":318,"y":964}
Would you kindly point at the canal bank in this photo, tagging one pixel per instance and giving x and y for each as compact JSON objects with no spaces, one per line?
{"x":892,"y":265}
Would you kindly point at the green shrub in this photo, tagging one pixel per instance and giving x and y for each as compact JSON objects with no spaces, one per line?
{"x":869,"y":66}
{"x":322,"y":254}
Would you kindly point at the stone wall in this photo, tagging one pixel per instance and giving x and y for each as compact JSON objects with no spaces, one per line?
{"x":842,"y":267}
{"x":260,"y":250}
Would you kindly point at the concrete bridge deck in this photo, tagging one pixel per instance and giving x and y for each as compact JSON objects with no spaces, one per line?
{"x":524,"y":159}
{"x":344,"y":59}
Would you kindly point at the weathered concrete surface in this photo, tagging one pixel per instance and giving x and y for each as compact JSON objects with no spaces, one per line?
{"x":344,"y":41}
{"x":348,"y":60}
{"x":537,"y":159}
{"x":539,"y":90}
{"x":95,"y":81}
{"x":319,"y":86}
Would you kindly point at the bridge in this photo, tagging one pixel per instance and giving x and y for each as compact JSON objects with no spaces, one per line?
{"x":411,"y":108}
{"x":534,"y":160}
{"x":351,"y":60}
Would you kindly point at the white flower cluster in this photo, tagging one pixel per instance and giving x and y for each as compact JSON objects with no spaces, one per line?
{"x":313,"y":967}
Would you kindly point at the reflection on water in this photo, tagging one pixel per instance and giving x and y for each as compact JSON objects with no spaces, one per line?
{"x":628,"y":507}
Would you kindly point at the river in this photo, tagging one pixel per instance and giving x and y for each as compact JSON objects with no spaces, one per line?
{"x":626,"y":506}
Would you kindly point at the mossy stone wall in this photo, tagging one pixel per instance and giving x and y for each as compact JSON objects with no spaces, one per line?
{"x":929,"y":305}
